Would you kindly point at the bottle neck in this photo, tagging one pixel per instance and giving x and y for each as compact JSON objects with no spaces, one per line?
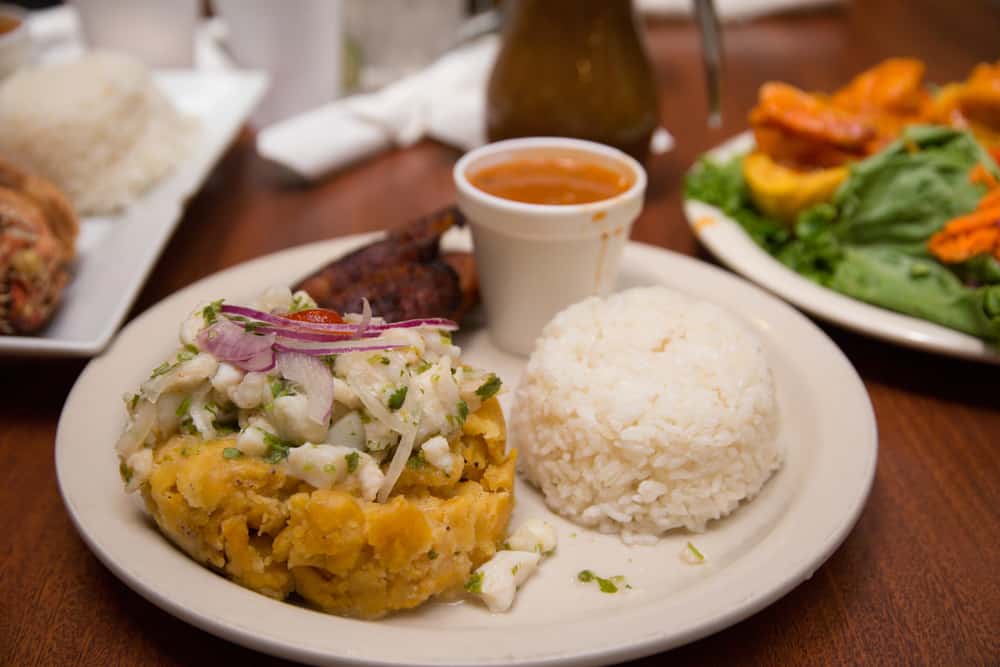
{"x":571,"y":20}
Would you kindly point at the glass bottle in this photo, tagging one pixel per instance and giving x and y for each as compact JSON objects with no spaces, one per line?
{"x":573,"y":68}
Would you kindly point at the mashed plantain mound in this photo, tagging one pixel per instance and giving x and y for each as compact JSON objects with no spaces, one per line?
{"x":278,"y":535}
{"x":355,"y":463}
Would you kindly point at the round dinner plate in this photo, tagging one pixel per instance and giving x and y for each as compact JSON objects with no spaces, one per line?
{"x":725,"y":238}
{"x":753,"y":557}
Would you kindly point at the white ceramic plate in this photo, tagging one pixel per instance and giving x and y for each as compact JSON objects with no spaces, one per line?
{"x":754,"y":556}
{"x":725,"y":239}
{"x":116,"y":253}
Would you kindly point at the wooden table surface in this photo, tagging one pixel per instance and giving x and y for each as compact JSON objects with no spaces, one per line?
{"x":915,"y":582}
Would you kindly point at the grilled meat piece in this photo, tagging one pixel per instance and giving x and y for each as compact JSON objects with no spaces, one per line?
{"x":403,"y":276}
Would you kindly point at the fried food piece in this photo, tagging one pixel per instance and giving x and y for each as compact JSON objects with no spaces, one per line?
{"x":782,"y":193}
{"x":890,"y":96}
{"x":38,"y":231}
{"x":973,"y":104}
{"x":403,"y":276}
{"x":977,"y":233}
{"x":277,"y":535}
{"x":804,"y":131}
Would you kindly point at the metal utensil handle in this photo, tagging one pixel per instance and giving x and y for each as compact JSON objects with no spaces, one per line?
{"x":711,"y":51}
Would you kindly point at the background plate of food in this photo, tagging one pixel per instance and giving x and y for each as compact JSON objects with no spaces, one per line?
{"x":125,"y":163}
{"x":877,"y":211}
{"x":779,"y":470}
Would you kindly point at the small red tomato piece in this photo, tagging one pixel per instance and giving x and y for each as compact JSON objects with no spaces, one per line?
{"x":317,"y":316}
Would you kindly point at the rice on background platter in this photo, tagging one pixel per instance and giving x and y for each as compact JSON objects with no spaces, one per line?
{"x":647,"y":411}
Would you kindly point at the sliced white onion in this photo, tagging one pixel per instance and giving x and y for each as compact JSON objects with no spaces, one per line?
{"x":201,"y":418}
{"x":315,"y":379}
{"x":399,"y":459}
{"x":143,"y":421}
{"x":366,"y":318}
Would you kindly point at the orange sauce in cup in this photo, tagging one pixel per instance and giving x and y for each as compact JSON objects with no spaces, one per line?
{"x":551,"y":180}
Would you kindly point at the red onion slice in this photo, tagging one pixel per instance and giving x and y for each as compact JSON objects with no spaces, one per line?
{"x":327,"y":350}
{"x":316,"y":336}
{"x":229,"y":342}
{"x":315,"y":379}
{"x":346,"y":328}
{"x":260,"y":363}
{"x":285,"y":322}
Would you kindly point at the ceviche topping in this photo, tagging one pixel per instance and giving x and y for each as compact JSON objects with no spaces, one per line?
{"x":338,"y":399}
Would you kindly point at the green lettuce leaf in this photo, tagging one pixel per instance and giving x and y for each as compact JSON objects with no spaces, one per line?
{"x":917,"y":286}
{"x":721,"y":184}
{"x":900,"y":197}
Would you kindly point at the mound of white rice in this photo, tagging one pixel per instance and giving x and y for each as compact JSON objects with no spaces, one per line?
{"x":646,"y":411}
{"x":98,"y":128}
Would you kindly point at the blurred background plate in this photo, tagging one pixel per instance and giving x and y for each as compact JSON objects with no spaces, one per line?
{"x":725,"y":238}
{"x":116,"y":253}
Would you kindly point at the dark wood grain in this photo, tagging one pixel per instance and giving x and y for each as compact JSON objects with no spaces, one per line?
{"x":917,"y":580}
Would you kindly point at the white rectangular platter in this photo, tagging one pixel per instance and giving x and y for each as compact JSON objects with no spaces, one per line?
{"x":115,"y":254}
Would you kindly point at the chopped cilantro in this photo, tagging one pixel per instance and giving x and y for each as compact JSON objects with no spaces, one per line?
{"x":184,"y":407}
{"x":463,"y":410}
{"x":475,"y":583}
{"x":131,"y":400}
{"x":352,"y":461}
{"x":192,"y":349}
{"x":251,"y":327}
{"x":211,"y":312}
{"x":224,"y":429}
{"x":514,"y":569}
{"x":301,"y":301}
{"x":277,"y":449}
{"x":126,"y":472}
{"x":329,"y":360}
{"x":161,"y":369}
{"x":365,"y":417}
{"x":376,"y":359}
{"x":397,"y":398}
{"x":445,"y":337}
{"x":432,"y":555}
{"x":489,"y":388}
{"x":605,"y":585}
{"x":231,"y":453}
{"x":329,"y":468}
{"x":423,"y":366}
{"x":280,"y":387}
{"x":416,"y":461}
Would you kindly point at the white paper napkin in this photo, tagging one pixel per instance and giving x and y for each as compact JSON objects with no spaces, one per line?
{"x":444,"y":101}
